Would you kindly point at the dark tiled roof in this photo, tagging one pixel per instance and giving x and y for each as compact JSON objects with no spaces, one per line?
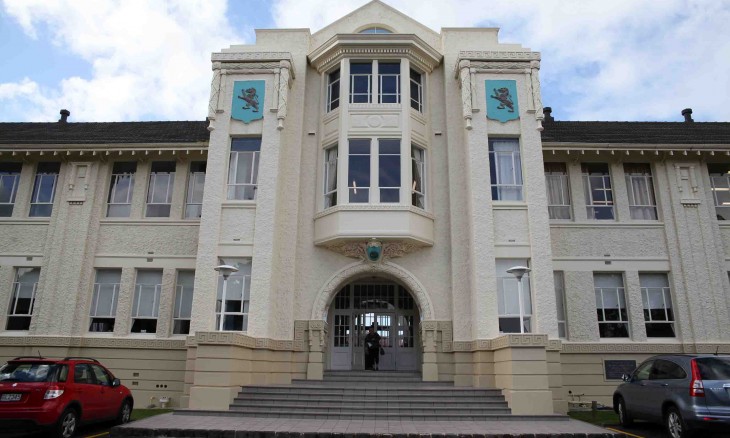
{"x":637,"y":132}
{"x":95,"y":133}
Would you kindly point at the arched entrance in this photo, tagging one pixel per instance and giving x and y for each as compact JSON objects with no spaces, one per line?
{"x":393,"y":310}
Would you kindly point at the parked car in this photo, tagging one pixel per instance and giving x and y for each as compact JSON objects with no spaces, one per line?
{"x":58,"y":395}
{"x":683,"y":392}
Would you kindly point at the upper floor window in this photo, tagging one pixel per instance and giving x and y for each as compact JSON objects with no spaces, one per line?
{"x":720,"y":186}
{"x":361,"y":82}
{"x":642,"y":202}
{"x":22,"y":300}
{"x":388,"y":82}
{"x":121,"y":189}
{"x":330,"y":177}
{"x":658,"y":311}
{"x":243,"y":168}
{"x":9,"y":179}
{"x":196,"y":183}
{"x":558,"y":190}
{"x":159,"y":192}
{"x":333,"y":90}
{"x":183,"y":303}
{"x":514,"y":309}
{"x":418,"y":171}
{"x":386,"y":173}
{"x":375,"y":29}
{"x":613,"y":318}
{"x":506,"y":169}
{"x":103,"y":309}
{"x":44,"y":189}
{"x":599,"y":194}
{"x":386,"y":89}
{"x":146,"y":304}
{"x":416,"y":91}
{"x":232,"y":304}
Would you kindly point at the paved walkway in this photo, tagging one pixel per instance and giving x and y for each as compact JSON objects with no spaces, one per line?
{"x":170,"y":425}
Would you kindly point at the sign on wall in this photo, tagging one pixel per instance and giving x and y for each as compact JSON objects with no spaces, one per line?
{"x":614,"y":369}
{"x":248,"y":100}
{"x":502,"y":100}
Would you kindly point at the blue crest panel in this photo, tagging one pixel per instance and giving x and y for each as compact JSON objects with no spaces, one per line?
{"x":502,"y":100}
{"x":248,"y":100}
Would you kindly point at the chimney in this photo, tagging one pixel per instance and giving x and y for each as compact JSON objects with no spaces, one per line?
{"x":687,"y":113}
{"x":64,"y":116}
{"x":547,"y":112}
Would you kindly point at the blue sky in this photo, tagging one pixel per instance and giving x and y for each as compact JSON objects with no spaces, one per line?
{"x":114,"y":60}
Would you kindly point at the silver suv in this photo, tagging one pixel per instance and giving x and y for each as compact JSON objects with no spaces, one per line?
{"x":683,"y":392}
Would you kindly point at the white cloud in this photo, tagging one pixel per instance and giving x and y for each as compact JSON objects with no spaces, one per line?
{"x":149,"y":59}
{"x":602,"y":60}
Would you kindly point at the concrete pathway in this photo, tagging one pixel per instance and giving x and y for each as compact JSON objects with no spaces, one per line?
{"x":171,"y":425}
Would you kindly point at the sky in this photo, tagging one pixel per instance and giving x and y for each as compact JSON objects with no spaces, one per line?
{"x":130,"y":60}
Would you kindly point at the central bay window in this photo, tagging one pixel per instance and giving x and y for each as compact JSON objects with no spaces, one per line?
{"x":387,"y":87}
{"x":183,"y":303}
{"x":9,"y":179}
{"x":720,"y":183}
{"x":44,"y":189}
{"x":159,"y":191}
{"x":146,"y":304}
{"x":613,"y":318}
{"x":103,"y":309}
{"x":196,"y":182}
{"x":388,"y":82}
{"x":505,"y":169}
{"x":243,"y":168}
{"x":361,"y":82}
{"x":657,"y":299}
{"x":418,"y":173}
{"x":599,"y":194}
{"x":642,"y":202}
{"x":386,"y":170}
{"x":232,"y":304}
{"x":330,"y":177}
{"x":558,"y":190}
{"x":514,"y":311}
{"x":121,"y":189}
{"x":333,"y":90}
{"x":22,"y":300}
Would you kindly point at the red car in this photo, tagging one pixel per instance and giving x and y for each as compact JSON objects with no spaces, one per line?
{"x":58,"y":395}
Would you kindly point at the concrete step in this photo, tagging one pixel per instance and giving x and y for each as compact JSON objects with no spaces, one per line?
{"x":268,"y":400}
{"x":393,"y":390}
{"x":371,"y":373}
{"x":365,"y":412}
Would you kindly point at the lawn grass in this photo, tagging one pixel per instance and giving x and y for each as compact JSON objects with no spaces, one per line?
{"x":599,"y":418}
{"x":141,"y":414}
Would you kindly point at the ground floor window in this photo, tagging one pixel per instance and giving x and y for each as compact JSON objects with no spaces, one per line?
{"x":613,"y":318}
{"x":232,"y":304}
{"x":183,"y":303}
{"x":146,"y":304}
{"x":23,"y":298}
{"x":515,"y":309}
{"x":657,"y":299}
{"x":103,"y":309}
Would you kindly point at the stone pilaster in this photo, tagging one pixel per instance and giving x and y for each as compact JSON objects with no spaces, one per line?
{"x":429,"y":336}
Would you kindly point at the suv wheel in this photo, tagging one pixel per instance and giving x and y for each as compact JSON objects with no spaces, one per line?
{"x":125,"y":412}
{"x":675,"y":424}
{"x":623,"y":415}
{"x":66,"y":426}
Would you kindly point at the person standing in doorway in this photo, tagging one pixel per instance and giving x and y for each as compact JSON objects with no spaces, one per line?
{"x":372,"y":349}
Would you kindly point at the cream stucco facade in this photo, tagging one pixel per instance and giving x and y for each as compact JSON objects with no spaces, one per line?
{"x":445,"y":249}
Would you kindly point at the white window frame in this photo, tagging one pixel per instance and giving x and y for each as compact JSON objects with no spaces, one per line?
{"x":374,"y":160}
{"x":562,"y":180}
{"x":167,"y":198}
{"x":182,"y":292}
{"x":606,"y":187}
{"x":330,"y":175}
{"x":517,"y":181}
{"x":139,"y":290}
{"x":620,"y":299}
{"x":35,"y":200}
{"x":14,"y":178}
{"x":331,"y":103}
{"x":191,"y":202}
{"x":244,"y":274}
{"x":382,"y":76}
{"x":232,"y":186}
{"x":421,"y":167}
{"x":666,"y":298}
{"x":370,"y":93}
{"x":635,"y":208}
{"x":417,"y":102}
{"x":112,"y":193}
{"x":379,"y":168}
{"x":560,"y":302}
{"x":95,"y":295}
{"x":15,"y":297}
{"x":720,"y":182}
{"x":525,"y":311}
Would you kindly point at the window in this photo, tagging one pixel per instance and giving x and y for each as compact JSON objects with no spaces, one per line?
{"x":358,"y":170}
{"x":101,"y":376}
{"x":389,"y":169}
{"x":330,"y":177}
{"x":559,"y":280}
{"x":613,"y":319}
{"x":375,"y":29}
{"x":388,"y":82}
{"x":416,"y":91}
{"x":196,"y":183}
{"x":657,"y":299}
{"x":333,"y":90}
{"x":183,"y":303}
{"x":146,"y":304}
{"x":418,"y":170}
{"x":599,"y":195}
{"x":558,"y":190}
{"x":23,"y":298}
{"x":644,"y":371}
{"x":243,"y":168}
{"x":83,"y":374}
{"x":515,"y":312}
{"x":44,"y":189}
{"x":121,"y":189}
{"x":642,"y":202}
{"x":720,"y":182}
{"x":9,"y":178}
{"x":233,"y":299}
{"x":666,"y":370}
{"x":159,"y":192}
{"x":361,"y":82}
{"x":103,"y":309}
{"x":506,"y":169}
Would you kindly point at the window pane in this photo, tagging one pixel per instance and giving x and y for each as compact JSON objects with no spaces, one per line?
{"x":505,"y":170}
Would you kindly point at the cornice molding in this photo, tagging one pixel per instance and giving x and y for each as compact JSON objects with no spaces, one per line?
{"x":498,"y":55}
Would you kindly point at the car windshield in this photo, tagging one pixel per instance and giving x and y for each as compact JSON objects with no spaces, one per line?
{"x":714,"y":368}
{"x":28,"y":372}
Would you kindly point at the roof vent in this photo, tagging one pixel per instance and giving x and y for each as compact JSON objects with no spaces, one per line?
{"x":687,"y":113}
{"x":64,"y":116}
{"x":547,"y":112}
